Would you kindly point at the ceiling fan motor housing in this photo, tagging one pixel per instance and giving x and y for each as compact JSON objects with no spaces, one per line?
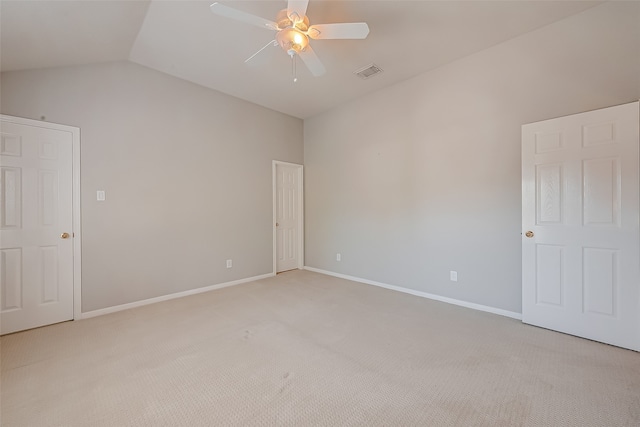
{"x":285,"y":21}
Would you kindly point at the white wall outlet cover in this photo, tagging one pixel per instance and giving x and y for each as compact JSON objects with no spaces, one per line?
{"x":229,"y":263}
{"x":100,"y":195}
{"x":338,"y":257}
{"x":453,"y":276}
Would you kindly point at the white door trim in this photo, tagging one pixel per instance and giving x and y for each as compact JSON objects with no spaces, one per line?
{"x":77,"y":237}
{"x":300,"y":210}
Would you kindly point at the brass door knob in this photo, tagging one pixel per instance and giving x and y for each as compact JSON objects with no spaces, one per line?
{"x":64,"y":236}
{"x":529,"y":234}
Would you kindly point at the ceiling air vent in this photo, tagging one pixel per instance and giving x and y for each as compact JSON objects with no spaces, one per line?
{"x":368,"y":71}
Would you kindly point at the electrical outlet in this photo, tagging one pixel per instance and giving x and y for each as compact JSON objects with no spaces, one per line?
{"x":453,"y":276}
{"x":100,"y":196}
{"x":229,"y":263}
{"x":338,"y":257}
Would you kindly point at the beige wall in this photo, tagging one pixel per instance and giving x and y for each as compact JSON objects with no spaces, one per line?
{"x":424,"y":177}
{"x":186,"y":170}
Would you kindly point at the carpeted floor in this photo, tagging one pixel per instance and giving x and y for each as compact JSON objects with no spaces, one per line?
{"x":304,"y":349}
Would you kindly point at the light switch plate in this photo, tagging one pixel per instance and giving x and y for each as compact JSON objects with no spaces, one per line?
{"x":100,"y":195}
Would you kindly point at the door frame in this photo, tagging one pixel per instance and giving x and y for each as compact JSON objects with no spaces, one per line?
{"x":300,"y":207}
{"x":76,"y":210}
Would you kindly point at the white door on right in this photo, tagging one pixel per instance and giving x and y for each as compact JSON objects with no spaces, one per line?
{"x":580,"y":217}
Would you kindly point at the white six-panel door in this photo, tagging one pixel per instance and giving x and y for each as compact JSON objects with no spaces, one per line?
{"x":288,"y":216}
{"x":581,"y":240}
{"x":36,"y":208}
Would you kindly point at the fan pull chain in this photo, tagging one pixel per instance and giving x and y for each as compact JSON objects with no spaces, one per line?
{"x":293,"y":68}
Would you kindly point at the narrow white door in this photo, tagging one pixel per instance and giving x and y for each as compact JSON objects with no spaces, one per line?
{"x":288,"y":216}
{"x":580,"y":210}
{"x":36,"y":258}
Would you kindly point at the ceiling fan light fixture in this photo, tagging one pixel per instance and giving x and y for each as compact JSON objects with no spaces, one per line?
{"x":292,"y":40}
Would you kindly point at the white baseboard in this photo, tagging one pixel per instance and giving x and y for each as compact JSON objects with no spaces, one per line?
{"x":135,"y":304}
{"x":466,"y":304}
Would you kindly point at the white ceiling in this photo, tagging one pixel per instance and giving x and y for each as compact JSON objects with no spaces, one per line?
{"x":184,"y":39}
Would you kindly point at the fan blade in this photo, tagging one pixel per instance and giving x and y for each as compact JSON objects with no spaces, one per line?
{"x":297,"y":9}
{"x":352,"y":30}
{"x":238,"y":15}
{"x":312,"y":61}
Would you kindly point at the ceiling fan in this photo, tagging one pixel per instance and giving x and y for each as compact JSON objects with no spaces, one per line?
{"x":293,"y":31}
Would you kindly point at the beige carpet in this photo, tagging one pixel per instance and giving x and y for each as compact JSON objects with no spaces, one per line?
{"x":305,"y":349}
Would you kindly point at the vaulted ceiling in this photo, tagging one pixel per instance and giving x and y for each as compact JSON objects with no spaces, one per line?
{"x":186,"y":40}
